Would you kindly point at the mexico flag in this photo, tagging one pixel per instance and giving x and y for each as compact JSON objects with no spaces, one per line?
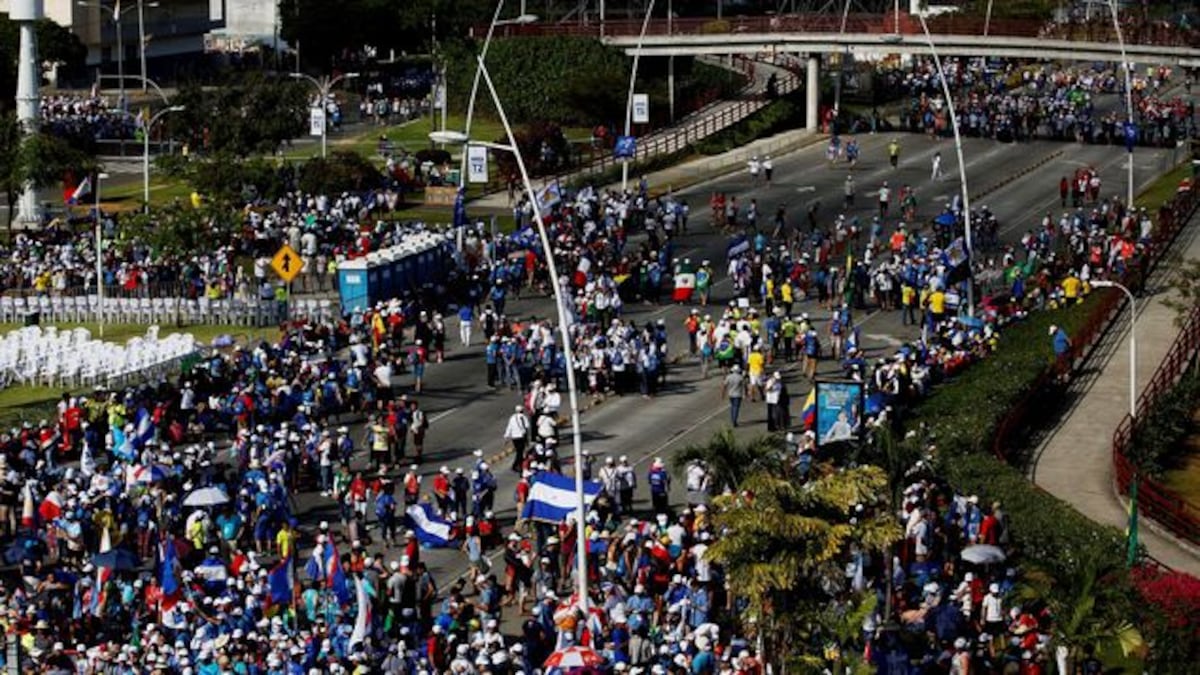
{"x":685,"y":284}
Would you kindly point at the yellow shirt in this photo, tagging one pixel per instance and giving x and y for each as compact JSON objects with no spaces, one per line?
{"x":1071,"y":286}
{"x":755,"y":363}
{"x":785,"y":292}
{"x":937,"y":302}
{"x":284,"y":540}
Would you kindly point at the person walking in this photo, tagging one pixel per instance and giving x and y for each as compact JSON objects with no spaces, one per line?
{"x":733,"y":388}
{"x":465,"y":316}
{"x":937,"y":174}
{"x":894,"y":153}
{"x":768,"y":168}
{"x":848,"y":191}
{"x":517,"y":433}
{"x":1062,"y":353}
{"x":885,"y":197}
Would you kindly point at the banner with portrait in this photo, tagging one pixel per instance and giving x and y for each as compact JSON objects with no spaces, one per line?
{"x":840,"y":407}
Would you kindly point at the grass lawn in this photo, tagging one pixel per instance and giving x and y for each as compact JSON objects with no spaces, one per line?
{"x":21,"y":403}
{"x":1164,"y":188}
{"x":128,"y":196}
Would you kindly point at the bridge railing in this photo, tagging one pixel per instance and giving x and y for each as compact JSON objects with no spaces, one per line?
{"x":1156,"y":501}
{"x":1134,"y":31}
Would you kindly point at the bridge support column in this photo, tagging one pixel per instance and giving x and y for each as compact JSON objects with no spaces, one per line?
{"x":812,"y":94}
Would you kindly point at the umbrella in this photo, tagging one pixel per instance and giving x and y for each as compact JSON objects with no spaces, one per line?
{"x":119,"y":559}
{"x":152,"y":473}
{"x":207,"y":496}
{"x":574,"y":657}
{"x":945,"y":219}
{"x":24,"y":548}
{"x":983,"y":554}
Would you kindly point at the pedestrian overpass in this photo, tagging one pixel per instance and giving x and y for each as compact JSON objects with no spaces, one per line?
{"x":875,"y":35}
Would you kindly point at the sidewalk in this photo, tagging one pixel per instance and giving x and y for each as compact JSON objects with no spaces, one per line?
{"x":1075,"y":462}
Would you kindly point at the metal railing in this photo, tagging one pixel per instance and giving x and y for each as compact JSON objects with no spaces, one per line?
{"x":1156,"y":501}
{"x":1172,"y":217}
{"x":1136,"y":32}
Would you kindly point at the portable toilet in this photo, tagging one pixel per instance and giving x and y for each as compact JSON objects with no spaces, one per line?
{"x":353,"y":290}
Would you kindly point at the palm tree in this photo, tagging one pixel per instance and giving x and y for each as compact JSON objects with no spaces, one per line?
{"x":1088,"y":606}
{"x":729,"y":462}
{"x":785,"y":543}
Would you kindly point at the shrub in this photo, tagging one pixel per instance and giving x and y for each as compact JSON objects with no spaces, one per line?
{"x":1159,"y":435}
{"x":340,"y":172}
{"x":777,"y":116}
{"x":224,"y":177}
{"x":1170,"y":605}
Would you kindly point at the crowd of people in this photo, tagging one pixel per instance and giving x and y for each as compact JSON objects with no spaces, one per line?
{"x":1011,"y":102}
{"x":87,"y":118}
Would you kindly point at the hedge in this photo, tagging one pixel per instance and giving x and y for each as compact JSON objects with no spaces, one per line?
{"x":1157,"y":443}
{"x":962,"y":417}
{"x":780,"y":115}
{"x":965,"y":412}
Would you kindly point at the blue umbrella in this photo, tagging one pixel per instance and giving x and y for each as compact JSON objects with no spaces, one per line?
{"x":119,"y":559}
{"x":946,"y":218}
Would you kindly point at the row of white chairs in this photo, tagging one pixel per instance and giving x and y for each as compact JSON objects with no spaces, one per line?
{"x":48,"y":357}
{"x":225,"y":311}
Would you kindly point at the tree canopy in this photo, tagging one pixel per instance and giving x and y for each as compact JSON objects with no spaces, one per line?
{"x":251,"y":114}
{"x":55,"y":43}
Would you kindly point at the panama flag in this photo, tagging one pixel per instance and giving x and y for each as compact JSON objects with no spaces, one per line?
{"x":82,"y":190}
{"x":51,"y":507}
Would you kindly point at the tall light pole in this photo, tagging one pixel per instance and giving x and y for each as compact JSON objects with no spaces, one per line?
{"x":99,"y":256}
{"x":145,"y":82}
{"x":146,"y":151}
{"x":323,"y":89}
{"x":487,"y":43}
{"x":116,"y":12}
{"x":1129,"y":128}
{"x":962,"y":167}
{"x":26,"y":13}
{"x":564,"y":329}
{"x":637,"y":53}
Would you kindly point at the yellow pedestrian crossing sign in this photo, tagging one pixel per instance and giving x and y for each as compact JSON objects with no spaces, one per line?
{"x":287,"y":263}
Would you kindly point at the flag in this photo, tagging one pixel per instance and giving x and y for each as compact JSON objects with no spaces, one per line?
{"x":27,"y":512}
{"x":80,"y":191}
{"x":737,"y":246}
{"x":460,"y":208}
{"x":122,"y":444}
{"x":103,"y":574}
{"x":430,"y":528}
{"x":808,"y":414}
{"x":552,"y":497}
{"x":144,"y":428}
{"x":335,"y":576}
{"x":548,"y":197}
{"x":168,"y":579}
{"x":51,"y":507}
{"x":362,"y":620}
{"x":279,"y":580}
{"x":957,"y":261}
{"x":1131,"y":534}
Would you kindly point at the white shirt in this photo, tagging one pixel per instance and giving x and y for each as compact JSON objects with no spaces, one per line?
{"x":992,"y":609}
{"x":517,"y":427}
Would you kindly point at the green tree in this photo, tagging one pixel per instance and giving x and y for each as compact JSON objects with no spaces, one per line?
{"x":1186,"y":284}
{"x":247,"y":115}
{"x":41,"y":159}
{"x":786,"y":542}
{"x":1090,"y":607}
{"x":340,"y":172}
{"x":178,"y":229}
{"x":55,"y":44}
{"x":729,"y":461}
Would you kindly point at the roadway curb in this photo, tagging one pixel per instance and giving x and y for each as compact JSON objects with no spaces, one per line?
{"x":732,"y":166}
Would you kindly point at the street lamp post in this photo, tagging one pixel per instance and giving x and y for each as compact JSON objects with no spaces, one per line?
{"x":146,"y":151}
{"x":323,"y":90}
{"x":637,"y":53}
{"x":1128,"y":100}
{"x":116,"y":13}
{"x":487,"y":43}
{"x":561,"y":309}
{"x":99,"y":257}
{"x":145,"y":81}
{"x":1103,"y":283}
{"x":962,"y":167}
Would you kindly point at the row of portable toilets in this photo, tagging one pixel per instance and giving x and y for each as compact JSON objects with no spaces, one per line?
{"x":423,"y":258}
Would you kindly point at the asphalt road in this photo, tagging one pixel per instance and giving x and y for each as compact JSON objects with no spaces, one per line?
{"x":465,"y":415}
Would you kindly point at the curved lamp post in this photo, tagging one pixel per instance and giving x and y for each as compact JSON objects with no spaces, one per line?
{"x":1128,"y":102}
{"x":453,"y":137}
{"x":146,"y":151}
{"x":962,"y":167}
{"x":637,"y":53}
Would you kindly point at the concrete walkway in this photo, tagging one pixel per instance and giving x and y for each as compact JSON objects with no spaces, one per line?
{"x":1074,"y":463}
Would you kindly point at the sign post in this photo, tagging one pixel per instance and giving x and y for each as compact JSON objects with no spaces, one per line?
{"x":287,"y":263}
{"x":477,"y":171}
{"x":641,"y":108}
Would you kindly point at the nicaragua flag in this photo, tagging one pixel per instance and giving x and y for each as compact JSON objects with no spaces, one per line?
{"x":552,"y":497}
{"x":81,"y":190}
{"x":144,"y":429}
{"x":431,"y":529}
{"x":335,"y":576}
{"x":122,"y":444}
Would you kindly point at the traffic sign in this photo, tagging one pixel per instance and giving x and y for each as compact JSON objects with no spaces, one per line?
{"x":287,"y":263}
